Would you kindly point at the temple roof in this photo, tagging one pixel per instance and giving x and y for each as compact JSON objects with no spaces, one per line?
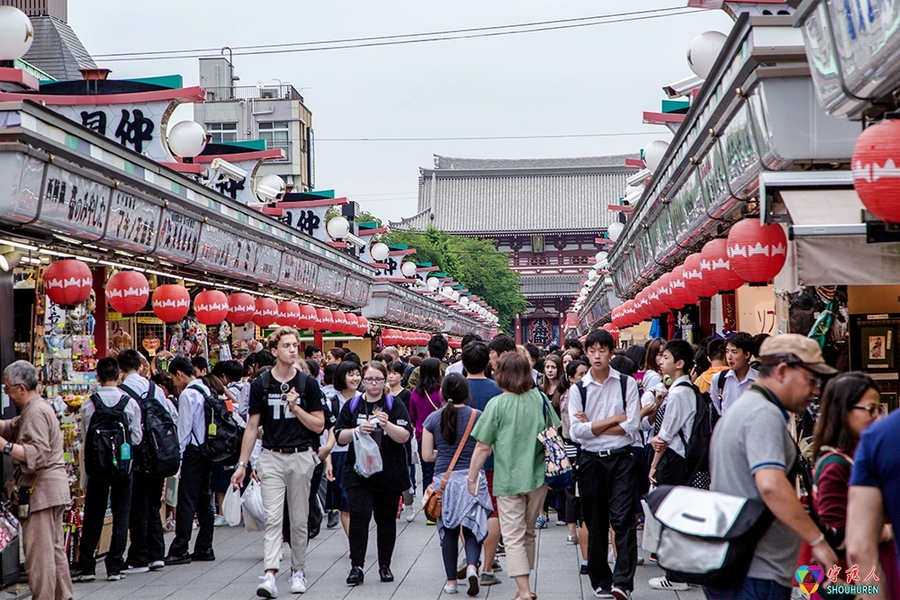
{"x":550,"y":286}
{"x":464,"y":195}
{"x":56,"y":49}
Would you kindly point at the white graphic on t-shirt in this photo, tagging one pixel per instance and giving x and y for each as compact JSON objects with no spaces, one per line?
{"x":280,"y":409}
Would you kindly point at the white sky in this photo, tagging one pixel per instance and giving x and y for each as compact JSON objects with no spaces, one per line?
{"x":594,"y":79}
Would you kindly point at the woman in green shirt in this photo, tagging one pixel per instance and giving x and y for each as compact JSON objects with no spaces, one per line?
{"x":509,"y":427}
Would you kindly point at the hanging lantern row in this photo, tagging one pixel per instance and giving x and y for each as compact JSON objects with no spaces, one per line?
{"x":752,"y":253}
{"x":398,"y":337}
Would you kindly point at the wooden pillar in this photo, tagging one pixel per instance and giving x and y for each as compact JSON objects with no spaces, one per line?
{"x":101,"y":341}
{"x":517,"y":326}
{"x":317,"y":339}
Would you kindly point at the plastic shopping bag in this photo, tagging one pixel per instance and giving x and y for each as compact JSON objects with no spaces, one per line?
{"x":651,"y":529}
{"x":252,"y":505}
{"x":368,"y":454}
{"x":231,"y":506}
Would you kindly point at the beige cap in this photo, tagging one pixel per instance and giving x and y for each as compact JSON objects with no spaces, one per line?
{"x":804,"y":348}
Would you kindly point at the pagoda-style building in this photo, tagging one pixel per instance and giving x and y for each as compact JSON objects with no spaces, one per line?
{"x":546,"y":214}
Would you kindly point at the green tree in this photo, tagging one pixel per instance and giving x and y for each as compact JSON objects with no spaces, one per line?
{"x":474,"y":263}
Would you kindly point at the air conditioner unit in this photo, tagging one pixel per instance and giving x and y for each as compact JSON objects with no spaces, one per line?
{"x":268,"y":93}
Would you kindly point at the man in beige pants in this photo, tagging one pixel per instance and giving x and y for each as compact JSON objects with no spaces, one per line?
{"x":34,"y":442}
{"x":287,"y":403}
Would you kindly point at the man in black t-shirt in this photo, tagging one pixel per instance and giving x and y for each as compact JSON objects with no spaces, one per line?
{"x":287,"y":403}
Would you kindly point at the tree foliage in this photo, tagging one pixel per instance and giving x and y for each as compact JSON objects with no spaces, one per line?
{"x":474,"y":263}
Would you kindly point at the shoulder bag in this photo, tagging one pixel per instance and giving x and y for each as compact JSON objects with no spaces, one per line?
{"x":431,"y":500}
{"x":557,"y":468}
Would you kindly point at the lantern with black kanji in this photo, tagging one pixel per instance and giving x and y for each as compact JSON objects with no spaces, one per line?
{"x":170,"y":302}
{"x":127,"y":292}
{"x":757,"y":252}
{"x":876,"y":169}
{"x":68,"y":282}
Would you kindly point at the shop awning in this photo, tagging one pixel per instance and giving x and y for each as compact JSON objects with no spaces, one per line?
{"x":829,"y":236}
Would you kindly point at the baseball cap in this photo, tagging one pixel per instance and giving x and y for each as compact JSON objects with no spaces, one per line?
{"x":806,"y":351}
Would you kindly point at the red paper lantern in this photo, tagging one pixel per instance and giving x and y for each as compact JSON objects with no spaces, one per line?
{"x":340,"y":321}
{"x":324,"y":320}
{"x":307,"y":317}
{"x":678,"y":285}
{"x":170,"y":302}
{"x":68,"y":282}
{"x":362,"y":327}
{"x":127,"y":292}
{"x":241,"y":308}
{"x":266,"y":312}
{"x":454,"y":343}
{"x":657,"y":305}
{"x":352,"y":324}
{"x":714,"y":257}
{"x":288,"y":313}
{"x":666,"y":297}
{"x":757,"y":252}
{"x":695,"y":278}
{"x":389,"y":337}
{"x":211,"y":307}
{"x":875,"y":163}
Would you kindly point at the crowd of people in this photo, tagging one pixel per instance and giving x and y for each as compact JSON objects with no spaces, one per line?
{"x":308,"y":427}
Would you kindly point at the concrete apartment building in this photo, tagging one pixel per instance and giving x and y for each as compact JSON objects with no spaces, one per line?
{"x":274,"y":113}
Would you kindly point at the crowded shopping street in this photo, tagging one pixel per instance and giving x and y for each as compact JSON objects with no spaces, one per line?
{"x":489,"y":327}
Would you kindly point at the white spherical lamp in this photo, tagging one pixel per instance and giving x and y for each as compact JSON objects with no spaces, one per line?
{"x":408,"y":268}
{"x":615,"y":230}
{"x":654,"y":153}
{"x":455,"y":296}
{"x":601,"y":256}
{"x":16,"y":33}
{"x":703,"y":52}
{"x":464,"y":301}
{"x":433,"y":283}
{"x":447,"y":291}
{"x":187,"y":139}
{"x":269,"y":188}
{"x":338,"y":228}
{"x":379,"y":251}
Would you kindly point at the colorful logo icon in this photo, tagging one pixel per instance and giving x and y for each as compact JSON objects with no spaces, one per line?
{"x":808,"y":578}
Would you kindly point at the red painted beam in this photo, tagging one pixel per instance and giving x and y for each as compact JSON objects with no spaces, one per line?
{"x":185,"y":167}
{"x":620,"y":208}
{"x":191,"y":94}
{"x":635,"y":163}
{"x":363,"y":232}
{"x":658,"y":118}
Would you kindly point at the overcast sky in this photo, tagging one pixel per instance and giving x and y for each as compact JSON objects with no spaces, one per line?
{"x":585,"y":80}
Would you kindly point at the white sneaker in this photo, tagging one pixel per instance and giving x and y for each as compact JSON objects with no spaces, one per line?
{"x":267,"y":588}
{"x":131,"y":570}
{"x":156,"y":565}
{"x":298,"y":583}
{"x":412,"y":517}
{"x":661,"y":583}
{"x":219,"y":521}
{"x":450,"y":588}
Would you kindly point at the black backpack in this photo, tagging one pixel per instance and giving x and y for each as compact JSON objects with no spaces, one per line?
{"x":223,"y":434}
{"x":696,"y":450}
{"x":159,"y":453}
{"x":623,"y":382}
{"x":107,"y":448}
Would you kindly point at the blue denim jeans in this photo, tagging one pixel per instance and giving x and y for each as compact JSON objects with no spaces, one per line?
{"x":751,"y":589}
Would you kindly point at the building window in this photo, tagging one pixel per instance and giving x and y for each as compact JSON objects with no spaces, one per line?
{"x":277,"y":135}
{"x":222,"y":132}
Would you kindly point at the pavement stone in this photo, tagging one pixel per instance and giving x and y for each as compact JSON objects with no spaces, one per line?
{"x":417,"y":568}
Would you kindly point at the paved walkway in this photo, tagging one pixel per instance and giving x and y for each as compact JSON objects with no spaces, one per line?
{"x":417,"y":568}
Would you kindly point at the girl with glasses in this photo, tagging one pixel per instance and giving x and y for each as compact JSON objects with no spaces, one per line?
{"x":377,"y":414}
{"x":849,"y":404}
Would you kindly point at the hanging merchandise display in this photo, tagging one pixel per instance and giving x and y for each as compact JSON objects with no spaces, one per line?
{"x":68,"y":282}
{"x":288,"y":313}
{"x":211,"y":307}
{"x":693,"y":277}
{"x":716,"y":267}
{"x":170,"y":302}
{"x":241,"y":308}
{"x":757,"y":252}
{"x":127,"y":292}
{"x":266,"y":312}
{"x":875,"y":163}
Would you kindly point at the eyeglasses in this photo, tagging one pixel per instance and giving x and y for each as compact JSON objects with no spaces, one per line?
{"x":814,"y":381}
{"x":374,"y":379}
{"x":874,"y":410}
